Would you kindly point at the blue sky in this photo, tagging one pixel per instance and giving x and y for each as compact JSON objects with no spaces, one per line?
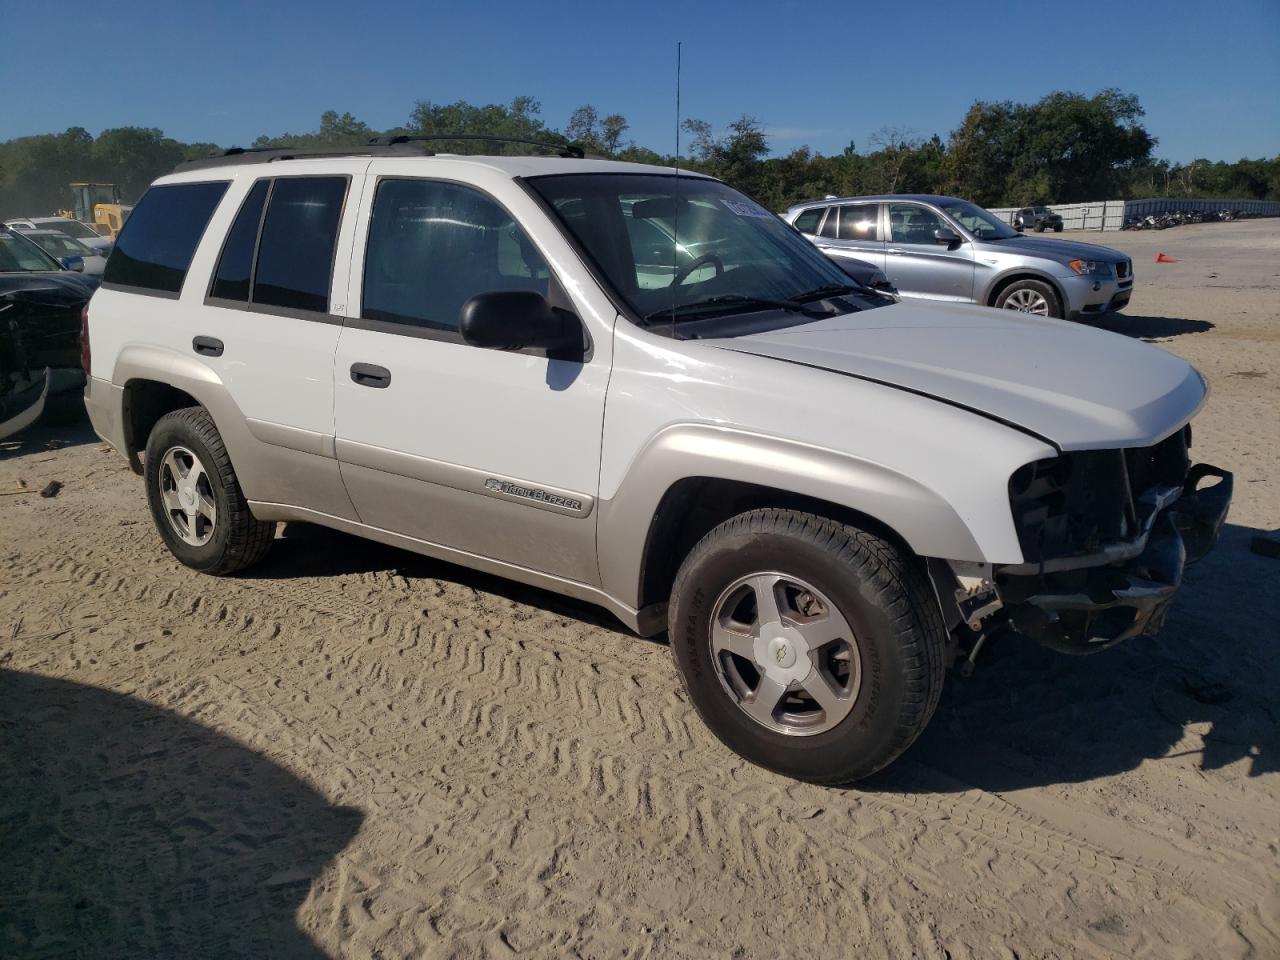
{"x":817,"y":73}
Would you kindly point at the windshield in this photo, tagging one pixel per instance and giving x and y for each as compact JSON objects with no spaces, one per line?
{"x":20,"y":255}
{"x":665,"y":243}
{"x":980,"y":223}
{"x":72,"y":228}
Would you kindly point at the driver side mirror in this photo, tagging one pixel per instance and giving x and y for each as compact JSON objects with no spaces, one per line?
{"x":72,"y":263}
{"x":949,"y":237}
{"x":520,"y":319}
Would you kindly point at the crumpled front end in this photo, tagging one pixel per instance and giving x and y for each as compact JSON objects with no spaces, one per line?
{"x":1105,"y":536}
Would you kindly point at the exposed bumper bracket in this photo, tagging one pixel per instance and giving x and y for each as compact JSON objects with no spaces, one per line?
{"x":1084,"y":610}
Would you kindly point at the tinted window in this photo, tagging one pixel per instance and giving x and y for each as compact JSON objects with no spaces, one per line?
{"x":909,"y":223}
{"x":807,"y":221}
{"x":860,"y":222}
{"x":432,"y":246}
{"x":235,"y":265}
{"x":157,"y":243}
{"x":829,"y":227}
{"x":299,"y":233}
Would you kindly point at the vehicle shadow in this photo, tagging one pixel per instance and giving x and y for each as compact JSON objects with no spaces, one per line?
{"x":130,"y":831}
{"x":1030,"y":717}
{"x":64,"y":423}
{"x":308,"y":550}
{"x":1149,"y":328}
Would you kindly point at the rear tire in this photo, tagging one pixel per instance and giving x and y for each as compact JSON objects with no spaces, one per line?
{"x":882,"y":669}
{"x":1057,"y":228}
{"x":195,"y":498}
{"x":1031,"y":296}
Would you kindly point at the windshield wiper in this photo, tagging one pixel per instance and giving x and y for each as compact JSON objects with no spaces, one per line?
{"x":830,"y":290}
{"x":689,"y":311}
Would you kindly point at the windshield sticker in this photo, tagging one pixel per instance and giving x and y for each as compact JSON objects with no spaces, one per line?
{"x":745,"y":208}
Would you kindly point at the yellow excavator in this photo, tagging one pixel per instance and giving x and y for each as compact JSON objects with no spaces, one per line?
{"x":98,"y":204}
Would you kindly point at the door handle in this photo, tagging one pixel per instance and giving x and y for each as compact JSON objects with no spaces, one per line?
{"x":208,"y":346}
{"x":895,"y":250}
{"x":370,"y":375}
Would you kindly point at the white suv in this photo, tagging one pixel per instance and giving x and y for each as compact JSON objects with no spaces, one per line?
{"x":825,"y":497}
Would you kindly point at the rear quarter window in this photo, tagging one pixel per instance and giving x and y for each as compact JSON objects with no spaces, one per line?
{"x":159,"y":239}
{"x":807,"y":221}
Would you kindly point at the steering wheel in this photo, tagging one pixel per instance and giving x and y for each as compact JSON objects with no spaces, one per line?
{"x":693,"y":265}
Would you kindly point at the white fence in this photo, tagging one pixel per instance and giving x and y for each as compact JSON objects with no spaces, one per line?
{"x":1101,"y":215}
{"x":1111,"y":214}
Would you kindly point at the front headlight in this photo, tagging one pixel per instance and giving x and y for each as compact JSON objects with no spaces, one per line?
{"x":1090,"y":268}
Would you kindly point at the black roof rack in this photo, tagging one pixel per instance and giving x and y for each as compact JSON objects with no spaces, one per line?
{"x":399,"y":145}
{"x":568,"y":150}
{"x":239,"y":155}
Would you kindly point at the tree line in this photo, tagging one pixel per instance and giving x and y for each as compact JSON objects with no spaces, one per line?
{"x":1064,"y":148}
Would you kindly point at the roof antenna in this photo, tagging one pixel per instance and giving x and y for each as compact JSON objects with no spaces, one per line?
{"x":675,"y":223}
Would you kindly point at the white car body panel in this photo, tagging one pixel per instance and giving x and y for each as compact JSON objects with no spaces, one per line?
{"x":659,"y":383}
{"x":1079,"y":387}
{"x":94,"y":265}
{"x":514,"y":416}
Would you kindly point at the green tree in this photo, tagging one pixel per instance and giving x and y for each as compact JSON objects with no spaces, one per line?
{"x":1062,"y":148}
{"x":584,"y":128}
{"x":134,"y":156}
{"x":39,"y":169}
{"x":518,"y":119}
{"x":612,"y":128}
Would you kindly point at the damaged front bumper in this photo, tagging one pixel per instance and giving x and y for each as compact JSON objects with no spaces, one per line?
{"x":1086,"y":603}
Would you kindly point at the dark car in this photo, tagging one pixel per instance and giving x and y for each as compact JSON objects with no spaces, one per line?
{"x":1038,"y":219}
{"x":42,"y":300}
{"x":23,"y":385}
{"x":866,"y":274}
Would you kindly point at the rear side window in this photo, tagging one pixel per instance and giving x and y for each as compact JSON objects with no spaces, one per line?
{"x":433,"y":245}
{"x":235,"y":266}
{"x":160,"y":237}
{"x":860,"y":222}
{"x":829,"y":226}
{"x":807,"y":221}
{"x":299,"y":234}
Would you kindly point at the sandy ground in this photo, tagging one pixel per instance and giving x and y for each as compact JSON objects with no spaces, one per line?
{"x":354,"y":751}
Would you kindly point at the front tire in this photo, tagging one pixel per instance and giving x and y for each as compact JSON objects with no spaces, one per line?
{"x":810,"y":647}
{"x":1031,"y":296}
{"x":195,"y":498}
{"x":1057,"y":228}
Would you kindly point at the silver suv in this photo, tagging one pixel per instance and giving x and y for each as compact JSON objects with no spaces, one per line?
{"x":943,"y":248}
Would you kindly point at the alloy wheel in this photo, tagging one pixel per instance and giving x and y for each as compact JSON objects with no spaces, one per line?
{"x":1027,"y":301}
{"x":785,"y":654}
{"x":187,"y":495}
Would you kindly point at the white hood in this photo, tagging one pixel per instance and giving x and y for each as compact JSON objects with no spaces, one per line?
{"x":1078,"y":387}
